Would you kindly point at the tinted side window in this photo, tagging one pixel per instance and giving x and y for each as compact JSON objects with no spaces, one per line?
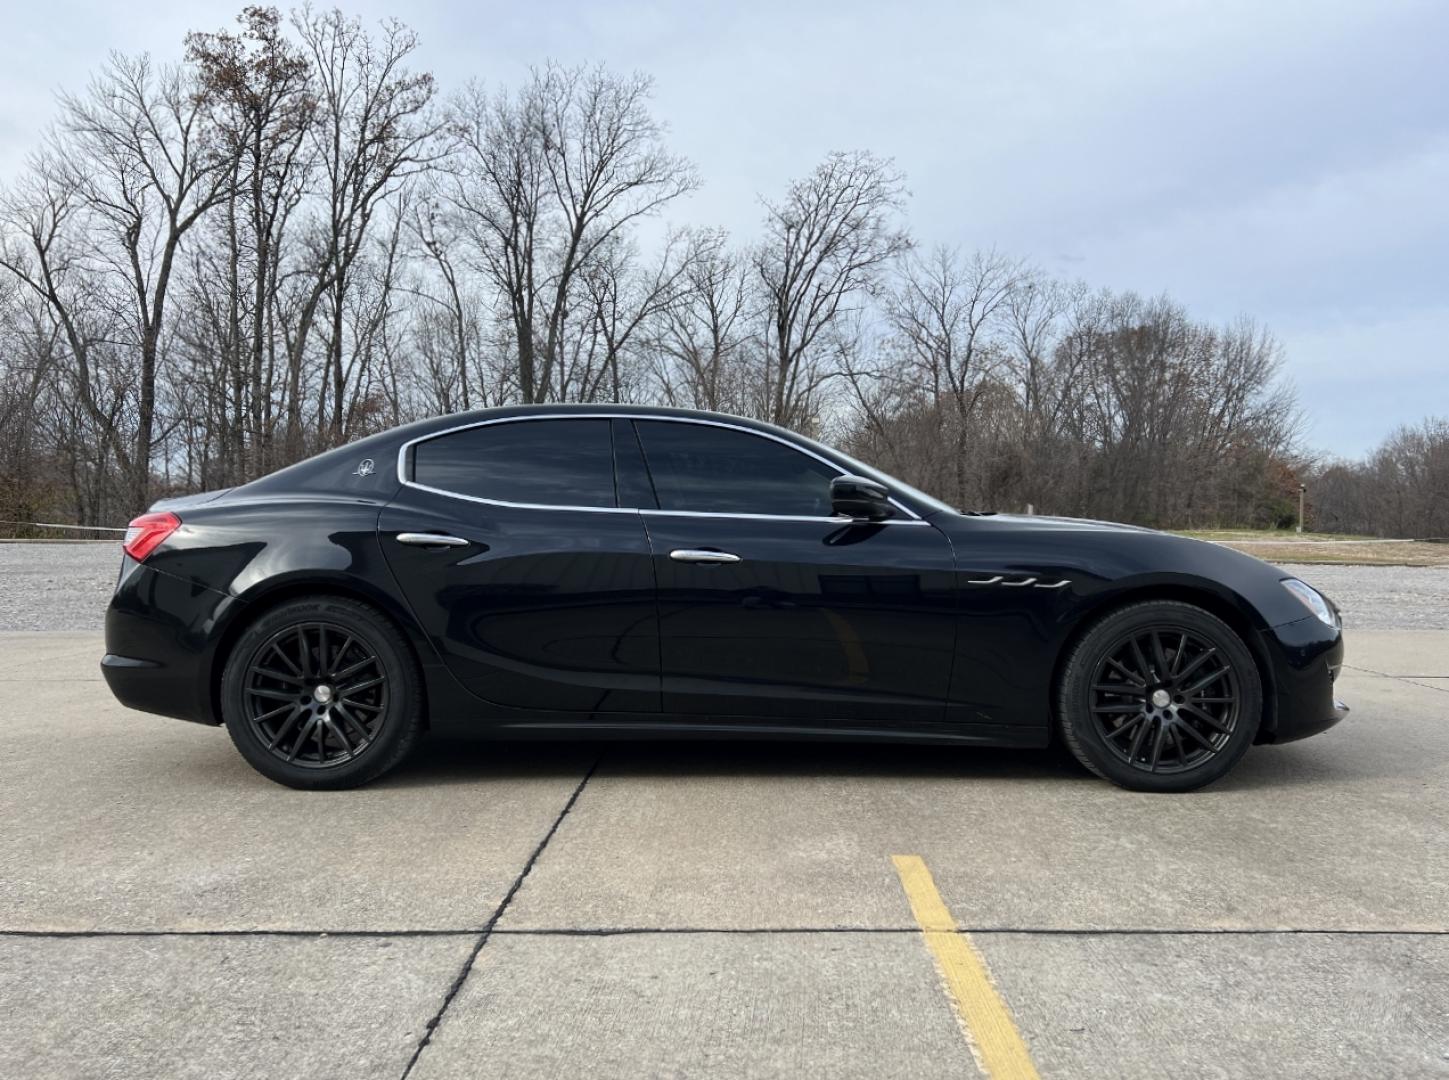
{"x":555,"y":462}
{"x":720,"y":470}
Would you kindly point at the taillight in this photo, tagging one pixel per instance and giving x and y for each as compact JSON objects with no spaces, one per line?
{"x":145,"y":534}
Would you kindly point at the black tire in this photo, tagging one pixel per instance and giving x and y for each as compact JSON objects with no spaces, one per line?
{"x":288,"y":719}
{"x":1160,"y":696}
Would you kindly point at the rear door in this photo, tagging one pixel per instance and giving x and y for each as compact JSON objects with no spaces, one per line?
{"x":535,"y":587}
{"x":770,"y":607}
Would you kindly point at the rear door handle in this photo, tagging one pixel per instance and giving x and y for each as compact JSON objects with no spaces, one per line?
{"x":702,"y":555}
{"x":431,"y":540}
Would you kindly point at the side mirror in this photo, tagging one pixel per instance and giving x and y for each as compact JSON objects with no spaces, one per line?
{"x":860,"y":497}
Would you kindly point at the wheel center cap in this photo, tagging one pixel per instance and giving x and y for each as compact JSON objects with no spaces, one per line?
{"x":322,"y":694}
{"x":1160,"y":698}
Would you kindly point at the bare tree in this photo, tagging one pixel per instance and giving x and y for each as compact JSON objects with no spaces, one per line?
{"x":549,"y":184}
{"x":260,"y":107}
{"x":125,"y":176}
{"x":825,"y":245}
{"x":698,"y":347}
{"x":945,"y":314}
{"x":374,"y":131}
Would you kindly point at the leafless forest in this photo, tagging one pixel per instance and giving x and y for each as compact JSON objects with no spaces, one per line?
{"x":287,"y":236}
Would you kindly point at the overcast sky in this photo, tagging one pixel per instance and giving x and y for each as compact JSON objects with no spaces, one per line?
{"x":1284,"y":160}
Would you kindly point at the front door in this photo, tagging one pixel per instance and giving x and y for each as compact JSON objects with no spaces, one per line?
{"x":770,"y":607}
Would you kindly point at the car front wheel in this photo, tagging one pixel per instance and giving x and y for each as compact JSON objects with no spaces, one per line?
{"x":322,"y":693}
{"x":1160,"y":696}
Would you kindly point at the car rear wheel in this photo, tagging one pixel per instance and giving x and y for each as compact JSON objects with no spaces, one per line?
{"x":1160,"y":696}
{"x":322,"y":693}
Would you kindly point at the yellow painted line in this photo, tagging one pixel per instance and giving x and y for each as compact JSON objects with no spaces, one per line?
{"x":997,"y":1045}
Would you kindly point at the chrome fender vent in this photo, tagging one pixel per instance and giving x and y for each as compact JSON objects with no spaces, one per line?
{"x":1018,"y":582}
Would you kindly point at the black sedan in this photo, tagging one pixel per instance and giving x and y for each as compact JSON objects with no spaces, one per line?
{"x":611,"y":571}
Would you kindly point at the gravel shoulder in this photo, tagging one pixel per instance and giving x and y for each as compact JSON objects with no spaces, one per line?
{"x":57,"y":586}
{"x":65,"y":587}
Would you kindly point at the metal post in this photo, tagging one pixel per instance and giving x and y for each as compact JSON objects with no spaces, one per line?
{"x":1301,"y":489}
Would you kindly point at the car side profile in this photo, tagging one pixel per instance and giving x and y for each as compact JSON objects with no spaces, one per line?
{"x":616,"y":571}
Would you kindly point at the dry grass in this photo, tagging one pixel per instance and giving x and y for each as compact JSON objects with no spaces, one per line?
{"x":1288,"y":547}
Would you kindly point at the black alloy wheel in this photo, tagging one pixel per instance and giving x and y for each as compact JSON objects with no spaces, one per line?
{"x":1160,"y":696}
{"x":1165,"y":699}
{"x":316,"y":695}
{"x":322,"y":693}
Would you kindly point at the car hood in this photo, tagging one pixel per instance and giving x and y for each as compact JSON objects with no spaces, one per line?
{"x":1040,"y":521}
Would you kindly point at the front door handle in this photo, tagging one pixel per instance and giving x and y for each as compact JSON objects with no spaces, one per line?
{"x":431,"y":540}
{"x":702,"y":555}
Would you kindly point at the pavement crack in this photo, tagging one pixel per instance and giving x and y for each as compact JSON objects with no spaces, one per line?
{"x":292,"y":932}
{"x":1045,"y":931}
{"x":665,"y":931}
{"x":1412,"y":680}
{"x":489,"y":926}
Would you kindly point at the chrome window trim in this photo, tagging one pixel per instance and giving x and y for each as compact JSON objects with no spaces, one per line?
{"x":402,"y":458}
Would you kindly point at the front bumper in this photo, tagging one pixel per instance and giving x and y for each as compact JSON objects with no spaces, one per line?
{"x":1304,"y":659}
{"x":161,"y":635}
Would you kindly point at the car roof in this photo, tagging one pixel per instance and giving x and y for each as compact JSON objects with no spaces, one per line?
{"x":325,"y":470}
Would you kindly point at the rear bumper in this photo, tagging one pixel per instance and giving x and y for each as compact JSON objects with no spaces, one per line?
{"x":1305,"y":659}
{"x":161,"y":634}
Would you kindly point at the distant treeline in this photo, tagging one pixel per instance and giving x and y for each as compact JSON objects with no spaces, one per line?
{"x":290,"y":237}
{"x":1401,"y":489}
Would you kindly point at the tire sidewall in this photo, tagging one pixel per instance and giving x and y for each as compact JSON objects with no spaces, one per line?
{"x":1089,"y":745}
{"x":400,"y":720}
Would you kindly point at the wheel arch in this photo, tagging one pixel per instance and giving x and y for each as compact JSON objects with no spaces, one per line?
{"x":273,"y":595}
{"x":1199,"y":595}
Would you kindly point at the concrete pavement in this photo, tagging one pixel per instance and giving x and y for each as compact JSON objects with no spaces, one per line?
{"x":723,"y":910}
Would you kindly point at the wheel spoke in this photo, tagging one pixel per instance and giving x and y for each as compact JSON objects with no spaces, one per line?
{"x":304,"y":653}
{"x":1141,"y":659}
{"x":341,"y":653}
{"x":1199,"y":736}
{"x":277,"y":648}
{"x":367,"y":684}
{"x":336,"y":729}
{"x":278,"y":675}
{"x":279,"y":709}
{"x":1177,"y":745}
{"x":1197,"y":662}
{"x":1206,"y":681}
{"x":275,"y":695}
{"x":1137,"y":740}
{"x":346,"y":714}
{"x":286,"y":727}
{"x":353,"y":669}
{"x":1127,"y":725}
{"x":1121,"y":689}
{"x":1206,"y":717}
{"x":1159,"y":657}
{"x":1157,"y":745}
{"x":1134,"y":679}
{"x":1118,"y":707}
{"x":302,"y":736}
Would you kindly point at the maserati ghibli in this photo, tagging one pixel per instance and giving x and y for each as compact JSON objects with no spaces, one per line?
{"x":584,"y":572}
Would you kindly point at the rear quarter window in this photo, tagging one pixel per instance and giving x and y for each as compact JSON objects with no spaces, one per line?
{"x":543,"y":462}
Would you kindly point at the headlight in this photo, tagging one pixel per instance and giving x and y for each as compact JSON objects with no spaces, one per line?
{"x":1312,"y":599}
